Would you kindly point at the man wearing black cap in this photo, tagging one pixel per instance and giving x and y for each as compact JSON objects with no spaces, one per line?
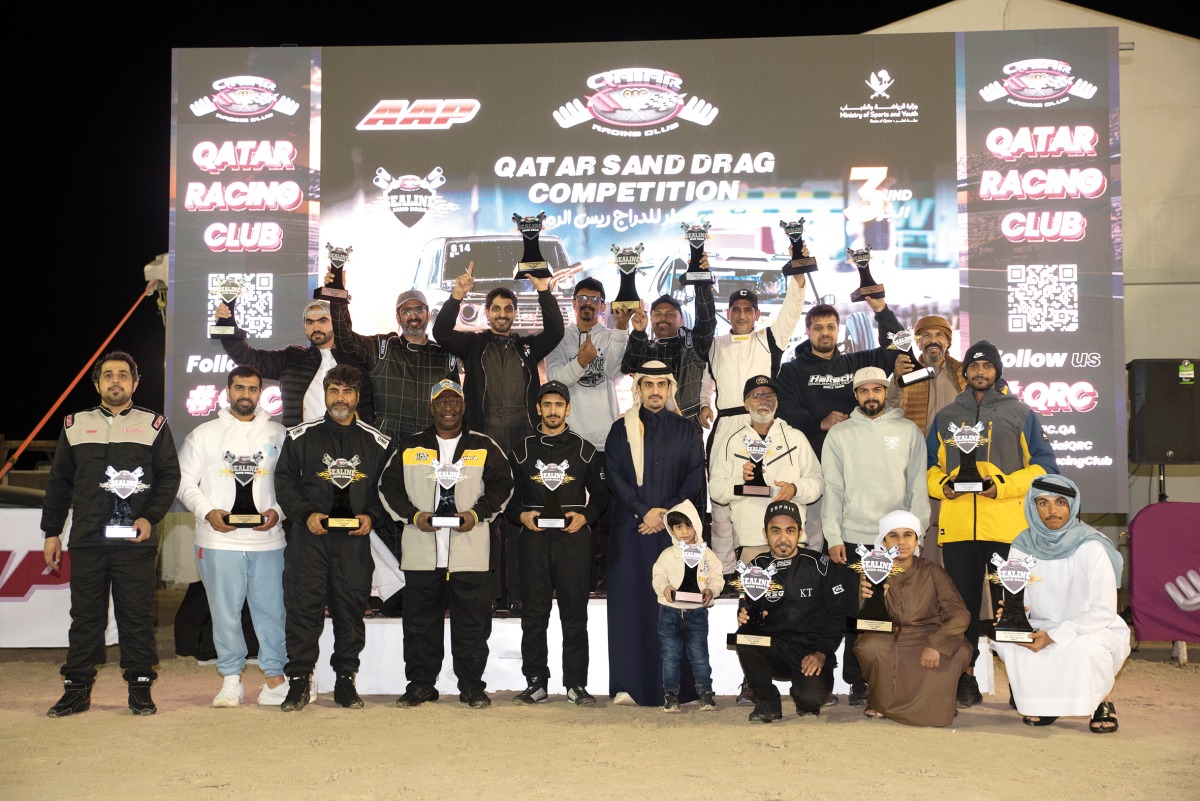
{"x":1012,"y":451}
{"x":803,"y":614}
{"x":559,"y":493}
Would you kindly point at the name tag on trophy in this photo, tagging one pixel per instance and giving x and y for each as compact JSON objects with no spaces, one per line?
{"x":532,"y":265}
{"x":697,"y":272}
{"x":342,"y":473}
{"x":1013,"y":575}
{"x":244,"y":469}
{"x":336,"y":288}
{"x":868,"y":287}
{"x":876,"y":564}
{"x":447,"y":475}
{"x":757,"y":485}
{"x":800,"y":263}
{"x":905,"y":342}
{"x":753,"y":582}
{"x":689,"y":589}
{"x":967,"y":439}
{"x":228,"y":291}
{"x":551,"y":477}
{"x":628,"y":260}
{"x":123,"y":484}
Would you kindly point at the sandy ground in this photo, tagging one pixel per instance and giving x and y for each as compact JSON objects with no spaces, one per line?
{"x":555,"y":750}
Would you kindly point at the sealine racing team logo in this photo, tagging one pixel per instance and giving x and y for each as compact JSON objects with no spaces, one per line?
{"x":1038,"y":82}
{"x":244,"y":468}
{"x":341,"y":472}
{"x":552,"y":476}
{"x":124,"y":483}
{"x":411,"y":197}
{"x":639,"y":101}
{"x":244,"y":98}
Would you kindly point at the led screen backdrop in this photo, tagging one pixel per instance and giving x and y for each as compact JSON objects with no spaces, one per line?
{"x":982,"y":169}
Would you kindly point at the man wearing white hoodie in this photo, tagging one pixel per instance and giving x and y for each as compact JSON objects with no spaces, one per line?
{"x":873,"y":462}
{"x":228,"y":482}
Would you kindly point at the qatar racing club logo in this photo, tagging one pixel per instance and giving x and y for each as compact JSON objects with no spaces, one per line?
{"x":639,"y":101}
{"x":244,"y":98}
{"x":1038,"y":82}
{"x":411,"y":197}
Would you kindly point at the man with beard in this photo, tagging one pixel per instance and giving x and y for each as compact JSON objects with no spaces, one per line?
{"x":225,"y":461}
{"x":300,"y":371}
{"x":500,"y":379}
{"x":116,"y":470}
{"x":874,"y":462}
{"x":558,"y":474}
{"x":588,"y":362}
{"x":654,"y":460}
{"x":1012,"y":451}
{"x":815,"y":391}
{"x":326,"y":482}
{"x":442,"y":475}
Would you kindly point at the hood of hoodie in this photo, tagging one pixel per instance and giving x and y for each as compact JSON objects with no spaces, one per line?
{"x":689,"y":509}
{"x":260,"y":416}
{"x":889,"y":413}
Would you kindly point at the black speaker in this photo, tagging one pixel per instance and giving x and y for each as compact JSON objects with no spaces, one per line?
{"x":1164,"y":411}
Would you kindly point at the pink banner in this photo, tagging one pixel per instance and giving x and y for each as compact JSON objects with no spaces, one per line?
{"x":1164,"y":572}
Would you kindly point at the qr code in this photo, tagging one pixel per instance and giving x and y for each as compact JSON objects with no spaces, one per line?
{"x":1043,"y":297}
{"x":255,"y":305}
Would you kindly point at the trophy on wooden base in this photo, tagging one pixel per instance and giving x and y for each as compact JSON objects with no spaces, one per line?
{"x":697,"y":271}
{"x":1013,"y":575}
{"x":868,"y":287}
{"x":532,"y":265}
{"x":336,"y":288}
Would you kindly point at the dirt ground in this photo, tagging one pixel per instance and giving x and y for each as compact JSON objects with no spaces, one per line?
{"x":555,"y":750}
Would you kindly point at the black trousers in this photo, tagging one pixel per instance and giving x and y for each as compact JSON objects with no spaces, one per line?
{"x":967,"y":563}
{"x":427,"y":596}
{"x":334,"y":568}
{"x":782,"y":660}
{"x":555,"y":563}
{"x":130,"y":572}
{"x":851,"y":670}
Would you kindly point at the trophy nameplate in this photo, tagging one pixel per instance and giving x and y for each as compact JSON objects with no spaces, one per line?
{"x":244,"y":513}
{"x":1013,"y":575}
{"x":697,"y":272}
{"x":756,"y":487}
{"x":876,"y":564}
{"x":905,"y":342}
{"x":123,"y":484}
{"x":229,"y":291}
{"x":341,"y":473}
{"x":800,"y":263}
{"x":688,"y":590}
{"x":336,"y":288}
{"x":753,"y":582}
{"x":551,"y":477}
{"x":447,"y":475}
{"x":445,"y":521}
{"x":868,"y":287}
{"x":532,"y":265}
{"x":967,"y":439}
{"x":628,"y":260}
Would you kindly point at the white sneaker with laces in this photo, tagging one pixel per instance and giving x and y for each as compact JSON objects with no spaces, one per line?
{"x":274,"y":696}
{"x":232,"y":693}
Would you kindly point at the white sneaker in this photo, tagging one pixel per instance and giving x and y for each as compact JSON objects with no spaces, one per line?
{"x":624,"y":699}
{"x":232,"y":692}
{"x":273,"y":696}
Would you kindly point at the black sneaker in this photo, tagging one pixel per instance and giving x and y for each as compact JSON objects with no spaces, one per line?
{"x":534,"y":693}
{"x":671,"y":702}
{"x":708,"y":702}
{"x":417,"y":695}
{"x":298,"y":694}
{"x":76,"y":698}
{"x":345,"y":693}
{"x":579,"y":696}
{"x":140,"y":702}
{"x":762,"y":714}
{"x":968,"y":692}
{"x":830,"y":700}
{"x":858,"y":695}
{"x":475,"y":698}
{"x":746,"y":695}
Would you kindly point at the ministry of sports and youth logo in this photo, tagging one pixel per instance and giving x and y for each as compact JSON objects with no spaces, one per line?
{"x":635,"y":98}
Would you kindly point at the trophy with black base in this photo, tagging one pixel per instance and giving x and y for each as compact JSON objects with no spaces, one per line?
{"x":123,"y":484}
{"x":1013,"y":575}
{"x":336,"y":288}
{"x":876,"y":564}
{"x":342,"y":473}
{"x":756,"y":487}
{"x":244,"y":513}
{"x":551,"y":477}
{"x":697,"y":271}
{"x":447,"y":475}
{"x":905,"y":342}
{"x":532,"y":265}
{"x":800,"y":263}
{"x":967,"y":438}
{"x":753,"y":582}
{"x":868,"y":287}
{"x":228,"y":291}
{"x":628,"y":260}
{"x":689,"y":590}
